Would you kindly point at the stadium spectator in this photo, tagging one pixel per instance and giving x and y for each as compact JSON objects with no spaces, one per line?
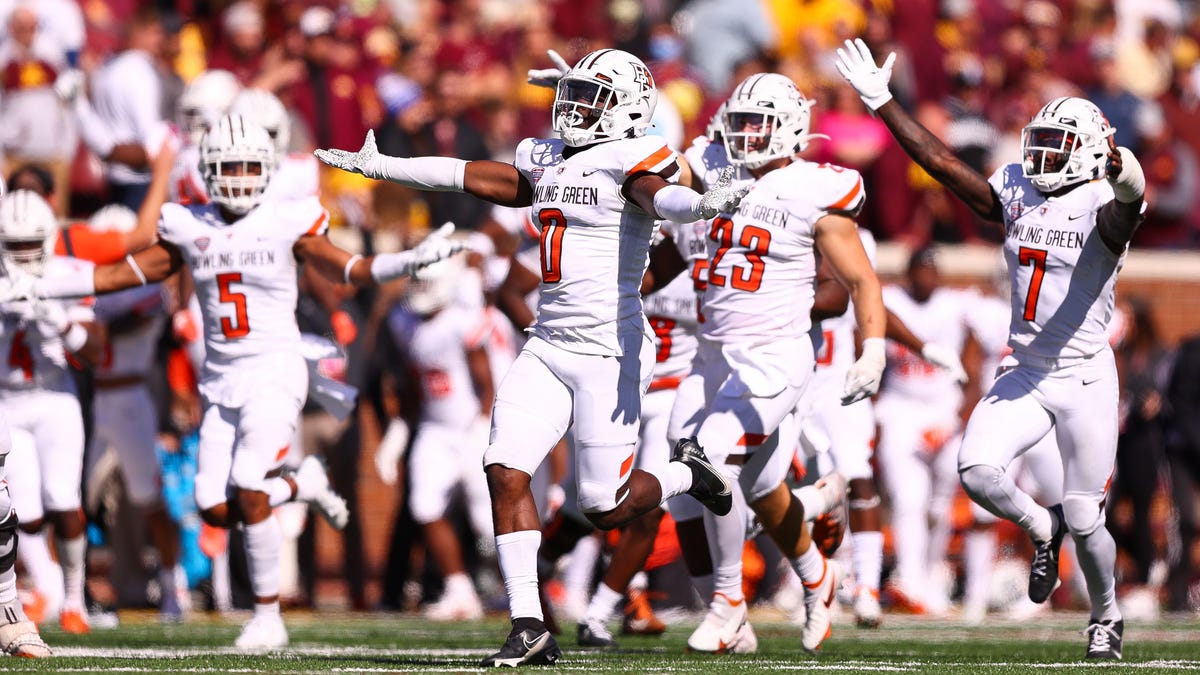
{"x":1113,"y":98}
{"x":723,"y":34}
{"x":1172,"y":176}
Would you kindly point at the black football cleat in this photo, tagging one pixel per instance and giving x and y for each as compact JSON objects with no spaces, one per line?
{"x":709,"y":487}
{"x":525,"y":647}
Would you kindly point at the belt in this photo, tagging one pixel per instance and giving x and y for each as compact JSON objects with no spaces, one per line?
{"x":665,"y":383}
{"x":118,"y":381}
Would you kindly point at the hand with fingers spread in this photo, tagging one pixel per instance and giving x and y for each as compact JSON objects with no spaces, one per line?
{"x":436,"y":246}
{"x":549,"y":77}
{"x":364,"y":161}
{"x":721,"y":197}
{"x":856,"y":63}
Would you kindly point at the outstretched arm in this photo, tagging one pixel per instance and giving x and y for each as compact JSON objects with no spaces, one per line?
{"x":341,"y":265}
{"x":496,"y":182}
{"x":682,"y":204}
{"x":857,"y":64}
{"x":1120,"y":218}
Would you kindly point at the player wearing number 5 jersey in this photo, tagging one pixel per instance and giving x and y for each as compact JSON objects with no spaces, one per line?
{"x":1066,"y":234}
{"x":595,"y":193}
{"x":243,"y":254}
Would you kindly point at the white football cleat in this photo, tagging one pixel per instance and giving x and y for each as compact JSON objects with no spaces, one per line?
{"x":264,"y":631}
{"x":867,"y":612}
{"x":455,"y":607}
{"x":745,"y":642}
{"x":22,"y":639}
{"x":719,"y":629}
{"x":312,"y":486}
{"x":818,"y":597}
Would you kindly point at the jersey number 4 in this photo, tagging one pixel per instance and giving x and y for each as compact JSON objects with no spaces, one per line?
{"x":554,"y":226}
{"x":239,"y":325}
{"x":1037,"y":258}
{"x":755,"y":240}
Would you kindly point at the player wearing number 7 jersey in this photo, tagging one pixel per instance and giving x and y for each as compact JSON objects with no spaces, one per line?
{"x":595,"y":193}
{"x":243,"y":254}
{"x":1066,"y":234}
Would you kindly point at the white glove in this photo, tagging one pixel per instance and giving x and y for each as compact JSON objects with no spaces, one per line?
{"x":548,"y":77}
{"x":945,"y":359}
{"x":365,"y":161}
{"x":69,"y":85}
{"x":862,"y":380}
{"x":391,"y":451}
{"x":556,"y":496}
{"x":857,"y":65}
{"x":19,"y":286}
{"x":436,"y":246}
{"x":51,"y":317}
{"x":720,"y":197}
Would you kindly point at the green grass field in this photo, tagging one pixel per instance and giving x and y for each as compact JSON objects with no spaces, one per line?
{"x":345,"y":643}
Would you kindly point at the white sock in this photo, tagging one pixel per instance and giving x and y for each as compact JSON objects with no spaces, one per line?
{"x":911,"y":539}
{"x":704,"y":586}
{"x":979,"y":558}
{"x":517,"y":554}
{"x":604,"y":604}
{"x":263,"y":541}
{"x":867,"y":557}
{"x":71,"y":553}
{"x":266,"y":608}
{"x":8,"y":588}
{"x":726,"y":540}
{"x":639,"y":581}
{"x":810,"y":566}
{"x":812,"y":501}
{"x":675,"y":479}
{"x":34,"y":554}
{"x":577,"y":575}
{"x":279,"y":491}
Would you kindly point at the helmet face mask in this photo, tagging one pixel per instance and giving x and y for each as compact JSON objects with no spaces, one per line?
{"x":28,"y":230}
{"x":608,"y":95}
{"x":237,"y":158}
{"x":1066,"y":143}
{"x":766,"y":118}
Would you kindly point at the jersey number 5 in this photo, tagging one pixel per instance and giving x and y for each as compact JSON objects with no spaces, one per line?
{"x":554,"y":226}
{"x":1037,"y":258}
{"x":239,"y":326}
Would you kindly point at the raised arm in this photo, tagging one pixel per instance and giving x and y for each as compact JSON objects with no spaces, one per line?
{"x":1120,"y":218}
{"x":340,"y":265}
{"x":496,"y":182}
{"x":857,"y":64}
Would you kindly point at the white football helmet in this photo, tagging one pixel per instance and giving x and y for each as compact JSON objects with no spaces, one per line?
{"x":608,"y":95}
{"x":1065,"y":143}
{"x":766,"y":117}
{"x":266,"y":110}
{"x":28,"y":230}
{"x":237,"y":158}
{"x":204,"y":100}
{"x":433,"y":287}
{"x":715,"y":131}
{"x":113,"y":218}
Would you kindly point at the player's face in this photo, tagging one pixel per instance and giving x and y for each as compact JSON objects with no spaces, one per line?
{"x":26,"y":254}
{"x":238,"y":170}
{"x":583,"y":102}
{"x":1048,"y":150}
{"x":757,"y":128}
{"x":923,"y":280}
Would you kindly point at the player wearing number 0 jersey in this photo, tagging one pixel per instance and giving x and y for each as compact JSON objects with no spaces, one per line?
{"x":595,"y":193}
{"x":755,"y":356}
{"x":243,"y":254}
{"x":1066,"y":234}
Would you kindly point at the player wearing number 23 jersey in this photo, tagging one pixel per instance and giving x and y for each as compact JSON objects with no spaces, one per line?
{"x":1069,"y":210}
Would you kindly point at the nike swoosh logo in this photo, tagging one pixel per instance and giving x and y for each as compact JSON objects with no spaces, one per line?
{"x":1076,"y":217}
{"x":588,"y":173}
{"x":530,"y":646}
{"x":1086,"y":383}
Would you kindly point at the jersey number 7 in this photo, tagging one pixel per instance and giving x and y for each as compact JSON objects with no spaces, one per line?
{"x":1037,"y":258}
{"x":239,"y":326}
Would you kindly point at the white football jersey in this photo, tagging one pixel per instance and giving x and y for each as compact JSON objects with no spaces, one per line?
{"x":1062,"y":275}
{"x":707,"y":159}
{"x":438,"y":348}
{"x":988,"y":321}
{"x":593,"y":241}
{"x":762,"y":262}
{"x":131,"y":351}
{"x":245,"y":274}
{"x":672,"y":311}
{"x":30,"y":359}
{"x":941,"y":320}
{"x":187,"y":185}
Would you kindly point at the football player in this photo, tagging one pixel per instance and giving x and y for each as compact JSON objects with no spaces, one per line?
{"x":1069,"y":210}
{"x":243,"y":254}
{"x":596,"y":192}
{"x":18,"y":635}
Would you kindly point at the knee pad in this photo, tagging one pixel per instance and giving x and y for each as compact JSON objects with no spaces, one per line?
{"x":977,"y":480}
{"x":1084,"y":514}
{"x":8,"y":541}
{"x":597,"y":497}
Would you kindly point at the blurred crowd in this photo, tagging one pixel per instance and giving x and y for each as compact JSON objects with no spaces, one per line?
{"x":443,"y":77}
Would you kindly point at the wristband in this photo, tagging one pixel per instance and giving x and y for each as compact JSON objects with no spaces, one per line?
{"x":349,"y":266}
{"x":875,"y":347}
{"x":75,"y":338}
{"x":388,"y":266}
{"x":1130,"y":186}
{"x":136,"y":269}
